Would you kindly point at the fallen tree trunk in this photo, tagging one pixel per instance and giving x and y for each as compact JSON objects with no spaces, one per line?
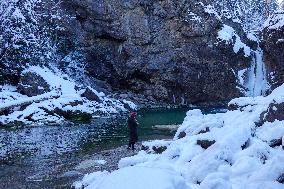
{"x":27,"y":101}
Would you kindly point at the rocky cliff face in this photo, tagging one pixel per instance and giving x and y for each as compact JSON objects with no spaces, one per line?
{"x":273,"y":45}
{"x":165,"y":50}
{"x":144,"y":50}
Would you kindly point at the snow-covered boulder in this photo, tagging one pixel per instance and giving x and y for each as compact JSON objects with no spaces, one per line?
{"x":134,"y":177}
{"x":32,"y":84}
{"x":92,"y":95}
{"x":217,"y":151}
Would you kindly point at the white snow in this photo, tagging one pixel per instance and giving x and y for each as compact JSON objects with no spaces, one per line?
{"x":194,"y":17}
{"x":211,"y":10}
{"x":252,"y":36}
{"x":229,"y":35}
{"x":136,"y":177}
{"x":275,"y":21}
{"x":130,"y":104}
{"x":240,"y":158}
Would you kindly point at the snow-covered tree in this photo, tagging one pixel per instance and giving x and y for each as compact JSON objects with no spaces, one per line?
{"x":28,"y":33}
{"x":251,"y":13}
{"x":18,"y":32}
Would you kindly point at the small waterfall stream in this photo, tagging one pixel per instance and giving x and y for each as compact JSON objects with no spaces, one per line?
{"x":257,"y":80}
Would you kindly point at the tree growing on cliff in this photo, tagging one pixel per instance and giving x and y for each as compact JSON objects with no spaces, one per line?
{"x":20,"y":41}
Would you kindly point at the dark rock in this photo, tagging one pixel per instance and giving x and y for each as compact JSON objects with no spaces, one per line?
{"x":263,"y":158}
{"x":74,"y":116}
{"x":233,"y":107}
{"x":275,"y":142}
{"x":280,"y":179}
{"x":274,"y":112}
{"x":205,"y":143}
{"x":6,"y":112}
{"x":76,"y":103}
{"x":126,"y":106}
{"x":145,"y":148}
{"x":32,"y":84}
{"x":91,"y":95}
{"x":159,"y":149}
{"x":273,"y":46}
{"x":246,"y":144}
{"x":204,"y":131}
{"x":156,"y":49}
{"x":14,"y":124}
{"x":181,"y":135}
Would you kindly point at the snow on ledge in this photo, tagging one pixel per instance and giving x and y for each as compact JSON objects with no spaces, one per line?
{"x":229,"y":35}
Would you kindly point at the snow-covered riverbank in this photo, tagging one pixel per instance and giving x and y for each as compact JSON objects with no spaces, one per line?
{"x":239,"y":149}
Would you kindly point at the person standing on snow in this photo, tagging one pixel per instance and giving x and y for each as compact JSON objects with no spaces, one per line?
{"x":132,"y":125}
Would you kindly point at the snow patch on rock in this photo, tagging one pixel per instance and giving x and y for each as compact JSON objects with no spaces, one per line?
{"x":229,"y":35}
{"x":275,"y":21}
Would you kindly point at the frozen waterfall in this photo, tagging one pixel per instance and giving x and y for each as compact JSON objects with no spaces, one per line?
{"x":257,"y":81}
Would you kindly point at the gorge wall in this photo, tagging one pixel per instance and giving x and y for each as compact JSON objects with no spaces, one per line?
{"x":159,"y":51}
{"x":167,"y":51}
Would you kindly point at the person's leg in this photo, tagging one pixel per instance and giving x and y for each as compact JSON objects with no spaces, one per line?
{"x":132,"y":145}
{"x":129,"y":145}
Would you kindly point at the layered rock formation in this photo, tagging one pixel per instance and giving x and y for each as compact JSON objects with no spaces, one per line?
{"x":165,"y":50}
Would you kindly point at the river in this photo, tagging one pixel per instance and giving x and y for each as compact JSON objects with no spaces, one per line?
{"x":38,"y":156}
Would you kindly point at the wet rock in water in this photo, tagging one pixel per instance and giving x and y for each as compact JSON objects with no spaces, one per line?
{"x":91,"y":95}
{"x":205,"y":143}
{"x":71,"y":174}
{"x":14,"y":124}
{"x":32,"y":84}
{"x":181,"y":135}
{"x":275,"y":142}
{"x":159,"y":149}
{"x":74,"y":116}
{"x":90,"y":163}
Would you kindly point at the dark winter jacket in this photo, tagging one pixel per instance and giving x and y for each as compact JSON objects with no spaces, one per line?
{"x":132,"y":125}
